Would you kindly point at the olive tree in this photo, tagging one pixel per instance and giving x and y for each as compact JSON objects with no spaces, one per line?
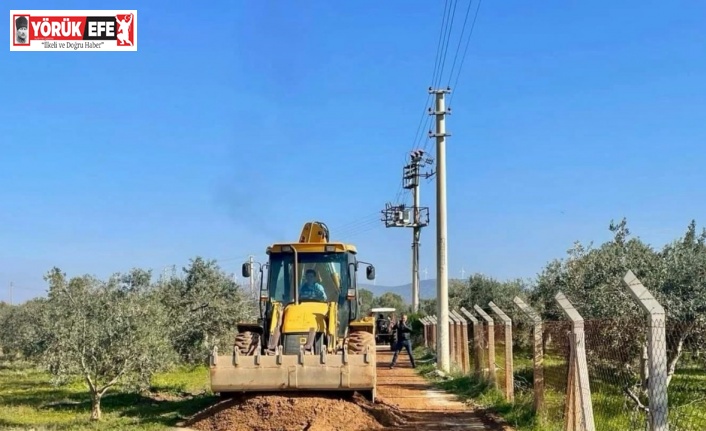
{"x":391,"y":299}
{"x":5,"y":311}
{"x":106,"y":332}
{"x":24,"y":329}
{"x":615,"y":325}
{"x":204,"y":308}
{"x":682,"y":292}
{"x":457,"y":294}
{"x":365,"y":298}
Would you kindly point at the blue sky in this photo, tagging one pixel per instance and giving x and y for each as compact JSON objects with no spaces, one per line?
{"x":235,"y":123}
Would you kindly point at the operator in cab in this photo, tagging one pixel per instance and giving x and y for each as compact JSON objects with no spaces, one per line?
{"x":311,"y":289}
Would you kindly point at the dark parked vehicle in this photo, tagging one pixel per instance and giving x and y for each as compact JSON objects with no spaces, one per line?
{"x":383,"y":326}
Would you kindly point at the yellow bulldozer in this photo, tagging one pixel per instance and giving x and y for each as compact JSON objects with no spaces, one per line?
{"x":310,"y":335}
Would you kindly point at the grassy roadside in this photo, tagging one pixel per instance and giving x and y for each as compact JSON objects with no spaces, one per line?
{"x":29,"y":401}
{"x":687,"y":398}
{"x":480,"y":394}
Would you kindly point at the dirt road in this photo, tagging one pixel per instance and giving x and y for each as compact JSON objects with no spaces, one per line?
{"x":405,"y":401}
{"x":424,"y":407}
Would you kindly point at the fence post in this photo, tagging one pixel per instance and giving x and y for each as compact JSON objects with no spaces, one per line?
{"x":433,"y":332}
{"x":455,"y":332}
{"x":657,"y":355}
{"x":429,"y":327}
{"x":465,"y":363}
{"x":423,"y":320}
{"x":453,"y":345}
{"x":509,"y":369}
{"x":478,"y":357}
{"x":466,"y":342}
{"x":491,"y":344}
{"x":537,"y":353}
{"x":578,"y":373}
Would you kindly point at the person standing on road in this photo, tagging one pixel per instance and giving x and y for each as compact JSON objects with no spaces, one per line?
{"x":404,"y":339}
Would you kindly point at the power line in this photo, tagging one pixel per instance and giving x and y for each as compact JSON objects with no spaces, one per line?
{"x":463,"y":57}
{"x":458,"y":45}
{"x":442,"y":33}
{"x":446,"y":45}
{"x":465,"y":50}
{"x":366,"y":227}
{"x":440,"y":55}
{"x":442,"y":49}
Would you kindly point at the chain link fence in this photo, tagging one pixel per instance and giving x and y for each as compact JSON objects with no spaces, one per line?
{"x":623,"y":360}
{"x":686,"y":375}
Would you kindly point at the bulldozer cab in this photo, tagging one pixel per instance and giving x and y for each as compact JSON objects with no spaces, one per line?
{"x":313,"y":275}
{"x":313,"y":270}
{"x":320,"y":276}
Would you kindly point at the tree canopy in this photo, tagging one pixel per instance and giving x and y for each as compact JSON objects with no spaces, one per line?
{"x":122,"y":330}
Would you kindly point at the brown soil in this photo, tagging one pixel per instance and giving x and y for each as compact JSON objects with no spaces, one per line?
{"x":290,"y":412}
{"x":405,"y":400}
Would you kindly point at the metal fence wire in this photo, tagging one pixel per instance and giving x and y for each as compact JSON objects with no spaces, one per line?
{"x":619,"y":357}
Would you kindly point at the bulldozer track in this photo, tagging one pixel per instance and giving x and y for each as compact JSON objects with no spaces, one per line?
{"x":359,"y":340}
{"x":246,"y":342}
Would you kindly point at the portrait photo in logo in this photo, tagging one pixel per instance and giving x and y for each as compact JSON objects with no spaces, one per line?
{"x":22,"y":30}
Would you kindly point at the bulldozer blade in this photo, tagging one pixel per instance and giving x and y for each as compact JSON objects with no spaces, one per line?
{"x":302,"y":372}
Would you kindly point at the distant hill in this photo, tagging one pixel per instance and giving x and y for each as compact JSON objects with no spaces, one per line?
{"x":427,"y":289}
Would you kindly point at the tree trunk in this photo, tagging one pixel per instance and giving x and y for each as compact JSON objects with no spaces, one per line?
{"x":95,"y":406}
{"x":644,"y":367}
{"x":546,"y":339}
{"x":672,"y":362}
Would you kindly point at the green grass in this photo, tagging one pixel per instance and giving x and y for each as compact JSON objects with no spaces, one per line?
{"x":29,"y":400}
{"x":612,"y":411}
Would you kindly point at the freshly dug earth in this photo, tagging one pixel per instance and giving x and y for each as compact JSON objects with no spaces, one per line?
{"x":405,"y":401}
{"x":295,"y":412}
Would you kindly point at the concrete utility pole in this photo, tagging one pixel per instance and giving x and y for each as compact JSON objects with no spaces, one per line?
{"x":411,"y":178}
{"x":442,"y":276}
{"x":416,"y":233}
{"x":416,"y":217}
